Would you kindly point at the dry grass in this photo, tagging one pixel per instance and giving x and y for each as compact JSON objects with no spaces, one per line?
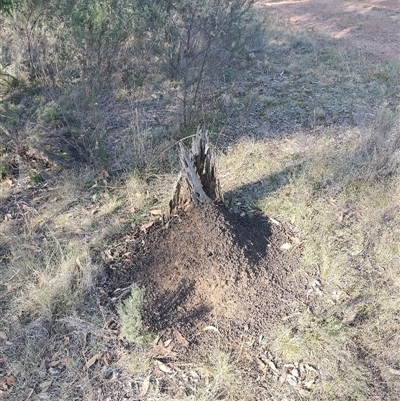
{"x":344,"y":216}
{"x":54,"y":244}
{"x":343,"y":210}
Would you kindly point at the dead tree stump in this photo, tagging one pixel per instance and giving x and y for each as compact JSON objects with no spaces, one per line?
{"x":197,"y":182}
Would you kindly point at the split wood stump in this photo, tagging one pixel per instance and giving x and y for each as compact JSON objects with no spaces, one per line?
{"x":197,"y":182}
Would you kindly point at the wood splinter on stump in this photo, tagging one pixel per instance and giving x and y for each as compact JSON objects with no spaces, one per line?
{"x":197,"y":182}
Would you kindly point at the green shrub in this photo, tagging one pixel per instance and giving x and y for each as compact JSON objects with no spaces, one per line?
{"x":7,"y":6}
{"x":131,"y":320}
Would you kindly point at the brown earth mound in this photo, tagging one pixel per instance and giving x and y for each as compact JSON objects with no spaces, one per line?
{"x":211,"y":268}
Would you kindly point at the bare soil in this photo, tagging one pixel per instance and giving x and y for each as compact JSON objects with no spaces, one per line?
{"x":211,"y":267}
{"x":370,"y":25}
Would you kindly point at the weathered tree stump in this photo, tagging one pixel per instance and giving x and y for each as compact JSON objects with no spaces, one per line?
{"x":197,"y":182}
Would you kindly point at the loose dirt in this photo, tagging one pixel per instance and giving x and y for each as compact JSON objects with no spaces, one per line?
{"x":370,"y":25}
{"x":213,"y":268}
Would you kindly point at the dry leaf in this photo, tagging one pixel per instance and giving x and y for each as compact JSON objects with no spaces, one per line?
{"x":309,"y":384}
{"x":291,"y":316}
{"x":78,"y":262}
{"x":211,"y":328}
{"x":168,"y":342}
{"x":286,"y":246}
{"x":93,"y":359}
{"x":164,"y":368}
{"x":3,"y":335}
{"x":310,"y":368}
{"x":295,"y":240}
{"x":170,"y":348}
{"x":350,"y":319}
{"x":159,"y":351}
{"x":105,"y":359}
{"x":282,"y":377}
{"x":331,"y":201}
{"x":292,"y":380}
{"x":181,"y":340}
{"x":165,"y":353}
{"x":102,"y":175}
{"x":145,"y":226}
{"x":108,"y":254}
{"x":155,"y":350}
{"x":273,"y":367}
{"x":3,"y":383}
{"x":394,"y":371}
{"x":156,"y":212}
{"x":145,"y":386}
{"x":262,"y":366}
{"x":57,"y":362}
{"x":6,"y":382}
{"x":45,"y":385}
{"x":289,"y":365}
{"x":273,"y":221}
{"x":340,"y":295}
{"x":10,"y":380}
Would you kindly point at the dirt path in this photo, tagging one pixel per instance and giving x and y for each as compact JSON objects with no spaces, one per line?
{"x":371,"y":25}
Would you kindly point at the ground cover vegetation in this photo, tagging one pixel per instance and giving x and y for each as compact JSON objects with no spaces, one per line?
{"x":94,"y":98}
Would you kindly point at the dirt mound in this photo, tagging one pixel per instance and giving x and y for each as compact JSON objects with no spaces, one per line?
{"x":212,"y":268}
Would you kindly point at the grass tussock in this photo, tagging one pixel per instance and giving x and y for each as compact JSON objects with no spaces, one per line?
{"x":221,"y":374}
{"x":378,"y":156}
{"x":58,"y":278}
